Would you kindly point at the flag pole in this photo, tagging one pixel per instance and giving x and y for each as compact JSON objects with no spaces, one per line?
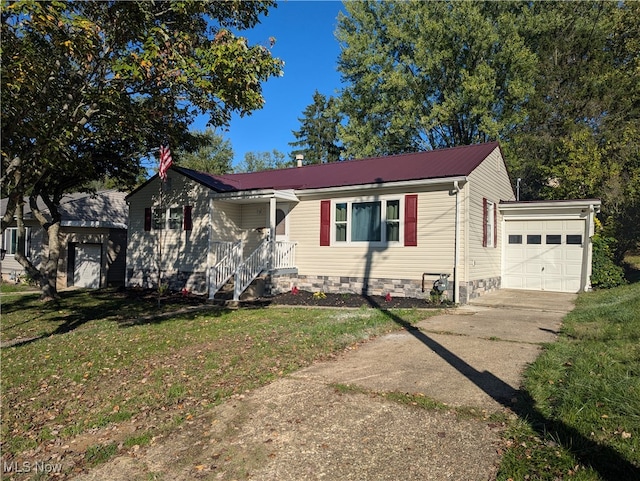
{"x":165,"y":161}
{"x":160,"y":183}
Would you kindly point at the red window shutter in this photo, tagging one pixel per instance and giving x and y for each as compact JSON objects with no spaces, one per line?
{"x":325,"y":223}
{"x":187,"y":223}
{"x":484,"y":222}
{"x":411,"y":220}
{"x":495,"y":225}
{"x":147,"y":218}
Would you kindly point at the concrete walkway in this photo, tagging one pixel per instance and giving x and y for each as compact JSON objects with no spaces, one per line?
{"x":302,"y":428}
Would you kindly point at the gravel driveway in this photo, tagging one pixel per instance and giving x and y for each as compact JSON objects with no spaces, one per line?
{"x":303,"y":428}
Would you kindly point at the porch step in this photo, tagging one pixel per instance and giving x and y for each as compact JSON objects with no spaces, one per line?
{"x":256,"y":289}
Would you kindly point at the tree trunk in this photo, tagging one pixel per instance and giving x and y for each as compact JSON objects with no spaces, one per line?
{"x":49,"y":269}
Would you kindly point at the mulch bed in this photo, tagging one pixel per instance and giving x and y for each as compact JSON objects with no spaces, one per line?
{"x":304,"y":298}
{"x":292,"y":298}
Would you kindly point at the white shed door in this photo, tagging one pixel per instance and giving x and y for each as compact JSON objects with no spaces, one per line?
{"x":86,"y":272}
{"x":544,"y":255}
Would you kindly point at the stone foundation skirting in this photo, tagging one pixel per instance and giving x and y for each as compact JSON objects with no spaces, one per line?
{"x":194,"y":282}
{"x":280,"y":283}
{"x":477,"y":288}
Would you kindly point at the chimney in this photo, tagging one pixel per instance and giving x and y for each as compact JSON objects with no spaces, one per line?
{"x":299,"y":159}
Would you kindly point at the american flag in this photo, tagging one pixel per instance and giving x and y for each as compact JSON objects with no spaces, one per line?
{"x":165,"y":162}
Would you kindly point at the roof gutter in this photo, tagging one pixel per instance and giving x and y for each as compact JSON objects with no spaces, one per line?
{"x":257,"y":194}
{"x":378,"y":185}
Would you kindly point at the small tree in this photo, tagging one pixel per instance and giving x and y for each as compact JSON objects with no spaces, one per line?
{"x":214,"y":154}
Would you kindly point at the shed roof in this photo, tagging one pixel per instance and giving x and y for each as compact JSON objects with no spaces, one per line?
{"x":434,"y":164}
{"x":105,"y":208}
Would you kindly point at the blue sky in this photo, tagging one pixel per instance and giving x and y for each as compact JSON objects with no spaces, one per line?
{"x":305,"y":40}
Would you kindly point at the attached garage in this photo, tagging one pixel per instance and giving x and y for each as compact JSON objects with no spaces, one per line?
{"x":547,"y":245}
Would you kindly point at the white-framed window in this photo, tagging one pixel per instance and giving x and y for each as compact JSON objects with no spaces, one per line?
{"x":371,"y":221}
{"x":10,"y":241}
{"x":169,"y":218}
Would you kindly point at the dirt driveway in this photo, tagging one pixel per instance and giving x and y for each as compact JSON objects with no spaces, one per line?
{"x":304,"y":427}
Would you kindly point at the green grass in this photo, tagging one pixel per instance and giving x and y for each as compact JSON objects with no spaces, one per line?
{"x":97,"y":359}
{"x":580,"y":407}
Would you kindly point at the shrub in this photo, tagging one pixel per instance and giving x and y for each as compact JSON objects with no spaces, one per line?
{"x":605,"y":273}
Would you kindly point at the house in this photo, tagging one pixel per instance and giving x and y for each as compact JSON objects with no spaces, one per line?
{"x":395,"y":224}
{"x":93,"y":238}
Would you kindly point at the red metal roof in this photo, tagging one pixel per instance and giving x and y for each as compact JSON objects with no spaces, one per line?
{"x":443,"y":163}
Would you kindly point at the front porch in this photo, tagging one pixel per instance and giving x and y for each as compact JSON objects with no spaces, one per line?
{"x":249,"y":237}
{"x":268,"y":257}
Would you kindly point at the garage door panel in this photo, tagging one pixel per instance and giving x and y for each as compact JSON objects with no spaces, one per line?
{"x":533,"y":282}
{"x":553,"y":269}
{"x":573,"y":254}
{"x":553,"y":283}
{"x":532,"y":268}
{"x":572,"y":270}
{"x":514,"y":282}
{"x":548,"y":265}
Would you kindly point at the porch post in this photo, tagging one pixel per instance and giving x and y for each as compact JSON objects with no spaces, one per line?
{"x":272,"y":230}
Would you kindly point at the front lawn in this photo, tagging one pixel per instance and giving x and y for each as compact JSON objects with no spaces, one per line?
{"x":580,"y":408}
{"x":99,"y":360}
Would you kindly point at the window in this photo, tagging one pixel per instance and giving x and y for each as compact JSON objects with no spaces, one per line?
{"x":534,"y":239}
{"x":10,"y":241}
{"x":341,"y":222}
{"x":173,"y":218}
{"x":489,"y":216}
{"x":366,"y":222}
{"x":554,"y":239}
{"x":574,"y":239}
{"x":159,"y":218}
{"x":371,"y":221}
{"x":515,"y":239}
{"x":393,"y":221}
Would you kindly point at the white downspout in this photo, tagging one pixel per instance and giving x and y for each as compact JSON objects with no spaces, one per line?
{"x":456,"y":255}
{"x":589,"y":232}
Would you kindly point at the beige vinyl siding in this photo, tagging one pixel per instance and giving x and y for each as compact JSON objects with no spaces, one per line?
{"x":434,"y":252}
{"x":180,"y":250}
{"x":255,"y":222}
{"x":489,"y":180}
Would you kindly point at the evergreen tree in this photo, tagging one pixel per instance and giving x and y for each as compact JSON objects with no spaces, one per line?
{"x":317,"y":139}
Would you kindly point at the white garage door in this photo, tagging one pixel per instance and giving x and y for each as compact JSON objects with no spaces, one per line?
{"x":86,"y":272}
{"x":544,"y":255}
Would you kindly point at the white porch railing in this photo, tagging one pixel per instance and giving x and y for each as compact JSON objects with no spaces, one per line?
{"x":284,"y":255}
{"x":231,"y":264}
{"x":249,"y":269}
{"x":228,"y":256}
